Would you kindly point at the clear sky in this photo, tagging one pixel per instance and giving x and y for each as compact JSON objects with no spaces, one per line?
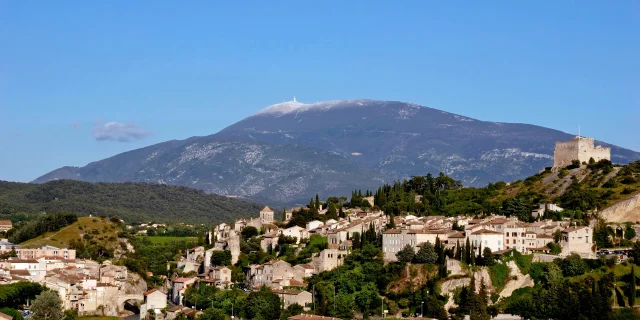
{"x":84,"y":80}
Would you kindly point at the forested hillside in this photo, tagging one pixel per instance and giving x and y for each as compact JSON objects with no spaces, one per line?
{"x":578,"y":188}
{"x":132,"y":202}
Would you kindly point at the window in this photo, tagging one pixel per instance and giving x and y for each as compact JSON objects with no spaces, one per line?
{"x":507,"y":241}
{"x":499,"y":243}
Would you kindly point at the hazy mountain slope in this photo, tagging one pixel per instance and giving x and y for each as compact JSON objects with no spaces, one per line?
{"x":272,"y":173}
{"x":289,"y":151}
{"x":129,"y":201}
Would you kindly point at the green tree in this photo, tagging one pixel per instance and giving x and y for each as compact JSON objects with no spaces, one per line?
{"x":406,"y":254}
{"x":487,"y":257}
{"x":221,"y":258}
{"x":249,"y":232}
{"x":17,"y":315}
{"x":426,"y":254}
{"x":635,"y":252}
{"x":629,"y":232}
{"x":573,"y":265}
{"x":47,"y":306}
{"x":212,"y":314}
{"x":467,"y":252}
{"x":263,"y":305}
{"x":557,"y":236}
{"x":631,"y":294}
{"x":554,"y":248}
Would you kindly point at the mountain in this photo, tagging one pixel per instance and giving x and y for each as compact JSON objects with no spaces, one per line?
{"x":140,"y":202}
{"x":287,"y":152}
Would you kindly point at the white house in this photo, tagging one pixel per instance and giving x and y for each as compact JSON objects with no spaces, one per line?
{"x":311,"y":225}
{"x":297,"y":232}
{"x":484,"y":238}
{"x":154,"y":302}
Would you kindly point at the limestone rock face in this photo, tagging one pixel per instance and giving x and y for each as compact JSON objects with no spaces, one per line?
{"x":627,"y":210}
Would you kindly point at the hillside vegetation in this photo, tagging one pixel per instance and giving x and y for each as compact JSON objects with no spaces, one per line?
{"x":133,"y":202}
{"x":579,"y":188}
{"x":91,"y":236}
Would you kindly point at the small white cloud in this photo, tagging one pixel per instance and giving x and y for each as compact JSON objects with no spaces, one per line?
{"x":117,"y":131}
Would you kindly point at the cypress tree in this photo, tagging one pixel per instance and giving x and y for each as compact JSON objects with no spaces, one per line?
{"x":467,"y":252}
{"x":632,"y":287}
{"x":458,"y":254}
{"x":317,"y":202}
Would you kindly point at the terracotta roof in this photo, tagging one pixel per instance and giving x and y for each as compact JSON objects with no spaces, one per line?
{"x":182,"y":280}
{"x":5,"y":316}
{"x":296,"y":283}
{"x":5,"y":223}
{"x":311,"y":317}
{"x":485,"y":231}
{"x":266,"y":209}
{"x":20,"y":273}
{"x":175,"y":308}
{"x":456,"y":235}
{"x":152,"y":291}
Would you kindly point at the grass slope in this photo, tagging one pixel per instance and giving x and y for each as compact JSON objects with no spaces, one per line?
{"x":98,"y":228}
{"x":136,"y":202}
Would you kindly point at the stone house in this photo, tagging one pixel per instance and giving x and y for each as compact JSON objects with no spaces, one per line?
{"x":179,"y":286}
{"x":275,"y":270}
{"x":329,"y":259}
{"x":289,"y":297}
{"x":578,"y":240}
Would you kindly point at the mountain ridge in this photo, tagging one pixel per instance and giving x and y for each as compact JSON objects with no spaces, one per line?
{"x":288,"y":152}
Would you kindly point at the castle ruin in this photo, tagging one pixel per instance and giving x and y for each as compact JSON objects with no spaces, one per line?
{"x":579,"y":148}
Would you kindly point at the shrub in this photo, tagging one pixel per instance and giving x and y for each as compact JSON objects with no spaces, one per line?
{"x":499,"y":274}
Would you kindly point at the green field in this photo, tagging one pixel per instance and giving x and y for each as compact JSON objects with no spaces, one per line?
{"x":164,"y":239}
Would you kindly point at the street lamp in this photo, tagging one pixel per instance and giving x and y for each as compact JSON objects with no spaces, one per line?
{"x":231,"y":310}
{"x":422,"y":309}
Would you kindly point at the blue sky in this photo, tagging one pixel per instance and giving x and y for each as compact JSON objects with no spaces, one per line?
{"x":84,"y":80}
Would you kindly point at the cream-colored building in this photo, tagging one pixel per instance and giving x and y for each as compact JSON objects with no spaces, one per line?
{"x":578,"y":240}
{"x":289,"y":297}
{"x":5,"y":225}
{"x":46,"y":251}
{"x":579,"y":148}
{"x":394,"y":240}
{"x":329,"y":259}
{"x":154,"y":302}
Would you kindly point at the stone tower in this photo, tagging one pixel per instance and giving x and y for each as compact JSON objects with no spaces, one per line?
{"x":579,"y":148}
{"x":266,"y":215}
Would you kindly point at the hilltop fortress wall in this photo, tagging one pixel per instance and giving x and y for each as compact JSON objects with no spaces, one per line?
{"x":579,"y":148}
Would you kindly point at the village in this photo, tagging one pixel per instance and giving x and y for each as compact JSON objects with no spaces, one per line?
{"x":93,"y":288}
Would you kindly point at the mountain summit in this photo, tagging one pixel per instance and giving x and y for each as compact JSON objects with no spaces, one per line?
{"x":290,"y":151}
